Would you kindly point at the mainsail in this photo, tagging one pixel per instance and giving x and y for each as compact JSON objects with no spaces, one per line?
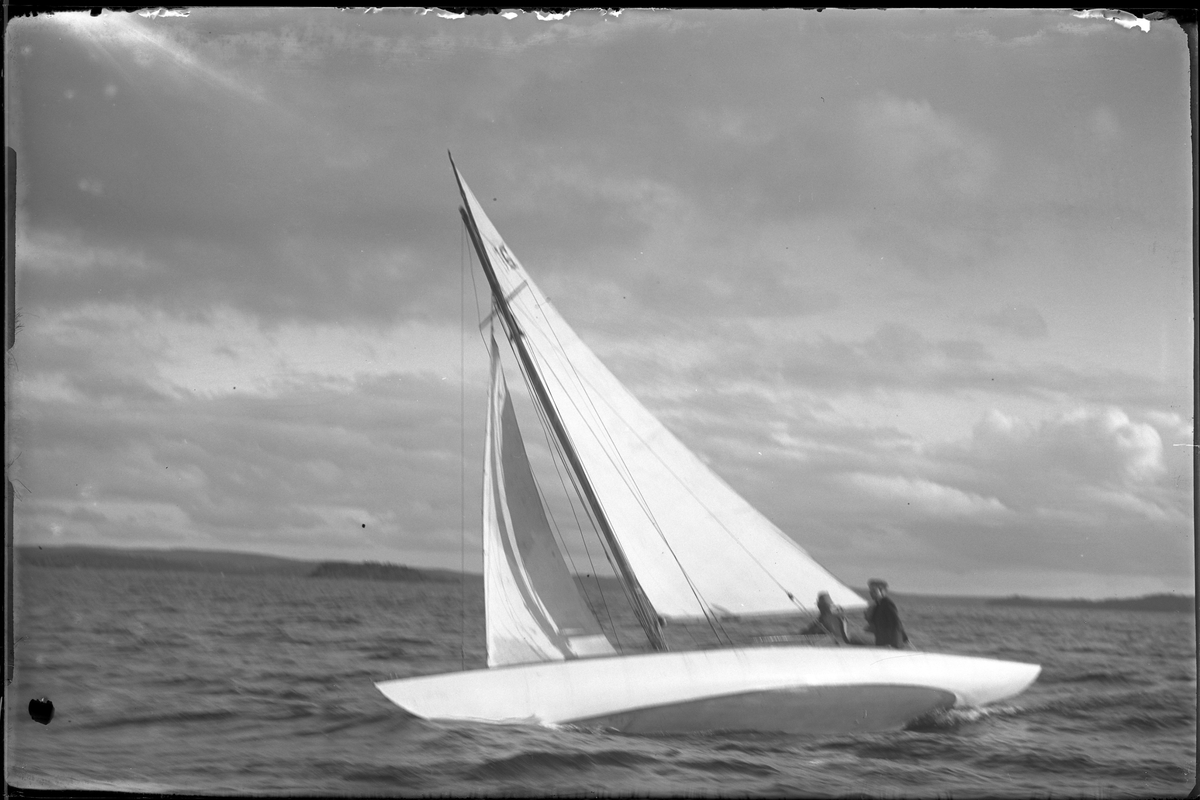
{"x":534,"y":609}
{"x":698,"y":549}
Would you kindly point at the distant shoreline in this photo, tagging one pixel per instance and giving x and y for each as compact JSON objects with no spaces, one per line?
{"x":221,"y":562}
{"x":1150,"y":602}
{"x":235,"y":563}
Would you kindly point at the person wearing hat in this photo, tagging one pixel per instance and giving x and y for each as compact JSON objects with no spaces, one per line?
{"x":883,"y":618}
{"x":829,"y":621}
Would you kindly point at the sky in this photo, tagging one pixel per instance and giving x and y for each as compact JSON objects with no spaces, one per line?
{"x":917,"y":284}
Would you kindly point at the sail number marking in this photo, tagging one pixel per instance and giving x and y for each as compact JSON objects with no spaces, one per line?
{"x":506,"y":256}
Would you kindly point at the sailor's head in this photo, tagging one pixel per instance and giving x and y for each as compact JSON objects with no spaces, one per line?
{"x":824,"y":601}
{"x":877,"y":588}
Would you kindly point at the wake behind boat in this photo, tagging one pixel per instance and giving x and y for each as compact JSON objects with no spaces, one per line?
{"x":686,"y":548}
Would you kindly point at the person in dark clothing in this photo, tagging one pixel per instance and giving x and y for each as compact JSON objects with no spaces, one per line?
{"x":883,"y":618}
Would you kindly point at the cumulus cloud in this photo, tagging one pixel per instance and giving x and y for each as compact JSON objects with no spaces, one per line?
{"x":934,"y":498}
{"x":1090,"y":445}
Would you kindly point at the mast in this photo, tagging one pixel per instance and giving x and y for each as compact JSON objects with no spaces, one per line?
{"x":642,"y":607}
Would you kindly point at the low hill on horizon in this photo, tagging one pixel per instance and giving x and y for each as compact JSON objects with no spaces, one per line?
{"x":380,"y":571}
{"x":1149,"y":602}
{"x":216,"y":561}
{"x":180,"y":560}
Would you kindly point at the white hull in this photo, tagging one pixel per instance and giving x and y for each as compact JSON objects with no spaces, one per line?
{"x":785,"y":689}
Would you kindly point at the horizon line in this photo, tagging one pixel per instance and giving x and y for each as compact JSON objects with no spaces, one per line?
{"x":169,"y":549}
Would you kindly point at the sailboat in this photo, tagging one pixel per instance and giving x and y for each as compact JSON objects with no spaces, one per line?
{"x":686,"y":549}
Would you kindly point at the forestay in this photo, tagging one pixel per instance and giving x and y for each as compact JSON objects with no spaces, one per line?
{"x":697,"y":547}
{"x":534,"y":609}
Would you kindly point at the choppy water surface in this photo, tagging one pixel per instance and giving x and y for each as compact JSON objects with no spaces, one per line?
{"x":175,"y":681}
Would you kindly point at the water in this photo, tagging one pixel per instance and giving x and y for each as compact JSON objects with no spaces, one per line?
{"x":203,"y":683}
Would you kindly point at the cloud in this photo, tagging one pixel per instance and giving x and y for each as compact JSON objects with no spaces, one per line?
{"x":1024,"y":321}
{"x":217,"y":433}
{"x":914,"y":152}
{"x":933,"y":498}
{"x":894,"y":356}
{"x":1090,"y":484}
{"x":897,"y":357}
{"x":924,"y":176}
{"x":1083,"y":446}
{"x":154,"y":354}
{"x":174,"y":173}
{"x":1083,"y":491}
{"x":791,"y":233}
{"x":298,"y":474}
{"x":1080,"y":489}
{"x":1014,"y":496}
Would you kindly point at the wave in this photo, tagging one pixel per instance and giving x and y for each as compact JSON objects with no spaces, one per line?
{"x":536,"y":762}
{"x":400,"y":641}
{"x":1044,"y":760}
{"x":173,"y":717}
{"x":410,"y":778}
{"x":382,"y":724}
{"x":754,"y":744}
{"x":284,"y":693}
{"x":1114,"y":678}
{"x":1140,"y":700}
{"x":728,"y":766}
{"x":1145,"y":721}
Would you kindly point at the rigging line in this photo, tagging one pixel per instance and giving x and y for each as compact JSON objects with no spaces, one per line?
{"x":622,"y":467}
{"x":556,"y":450}
{"x":582,"y":384}
{"x":626,"y":477}
{"x":462,"y":451}
{"x":683,"y":484}
{"x":626,"y":474}
{"x":608,"y":556}
{"x":562,"y":542}
{"x":558,"y":468}
{"x":579,"y":381}
{"x":475,"y":289}
{"x":618,"y":463}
